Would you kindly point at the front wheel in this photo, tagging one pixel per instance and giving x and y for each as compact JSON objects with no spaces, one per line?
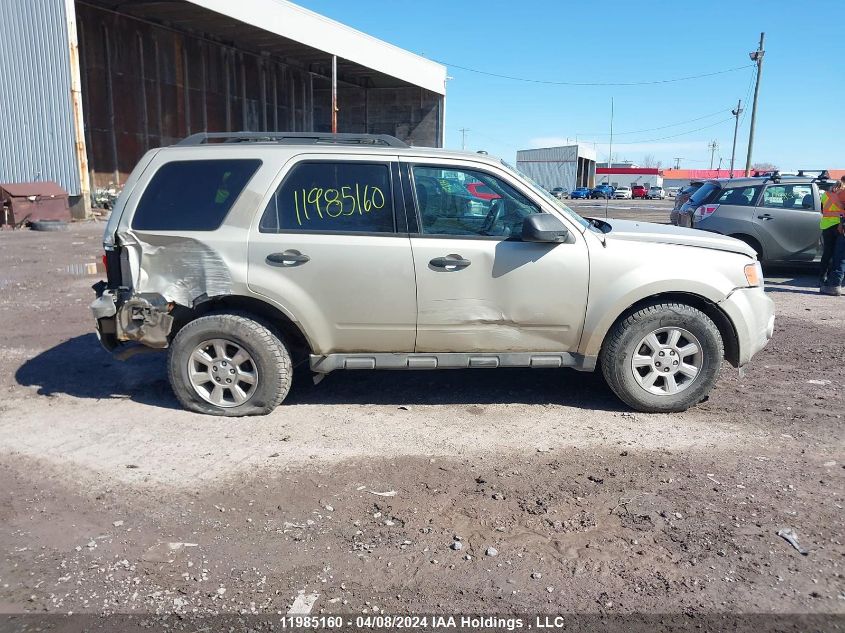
{"x":229,"y":364}
{"x":662,"y":358}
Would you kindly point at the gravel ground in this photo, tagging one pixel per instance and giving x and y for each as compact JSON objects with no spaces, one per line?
{"x":379,"y":491}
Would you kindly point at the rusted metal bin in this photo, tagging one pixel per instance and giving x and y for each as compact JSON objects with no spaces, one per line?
{"x":30,"y":201}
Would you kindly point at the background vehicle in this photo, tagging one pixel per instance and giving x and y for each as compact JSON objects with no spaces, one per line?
{"x":672,"y":191}
{"x":561,"y":193}
{"x":602,"y":191}
{"x":361,"y":252}
{"x":656,"y":193}
{"x":622,"y":193}
{"x":777,"y":217}
{"x":639,"y":191}
{"x":580,"y":192}
{"x":482,"y":191}
{"x":682,"y":196}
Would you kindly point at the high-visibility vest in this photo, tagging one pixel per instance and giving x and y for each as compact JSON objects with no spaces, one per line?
{"x":831,"y":210}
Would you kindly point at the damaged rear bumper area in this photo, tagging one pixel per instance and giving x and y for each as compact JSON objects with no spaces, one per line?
{"x":126,"y":317}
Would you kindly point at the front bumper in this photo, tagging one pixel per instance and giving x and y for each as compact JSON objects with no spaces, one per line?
{"x":752,"y":313}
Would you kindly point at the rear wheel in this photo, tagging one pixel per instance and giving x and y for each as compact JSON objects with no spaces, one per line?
{"x":229,"y":364}
{"x":662,"y":358}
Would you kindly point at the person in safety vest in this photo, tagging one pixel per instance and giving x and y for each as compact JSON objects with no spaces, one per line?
{"x":832,"y":225}
{"x":828,"y":225}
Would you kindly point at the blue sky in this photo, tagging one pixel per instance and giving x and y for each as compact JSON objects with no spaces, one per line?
{"x":802,"y":96}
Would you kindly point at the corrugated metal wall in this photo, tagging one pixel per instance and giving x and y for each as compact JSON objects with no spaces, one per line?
{"x":550,"y":166}
{"x":36,"y":114}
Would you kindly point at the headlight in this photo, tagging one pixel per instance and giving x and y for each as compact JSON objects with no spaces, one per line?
{"x":754,"y":274}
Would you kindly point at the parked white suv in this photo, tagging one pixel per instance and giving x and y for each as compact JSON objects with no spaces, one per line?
{"x":656,"y":193}
{"x":265,"y":251}
{"x":622,"y":193}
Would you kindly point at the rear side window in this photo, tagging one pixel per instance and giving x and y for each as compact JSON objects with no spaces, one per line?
{"x":342,"y":197}
{"x":192,"y":195}
{"x":738,"y":196}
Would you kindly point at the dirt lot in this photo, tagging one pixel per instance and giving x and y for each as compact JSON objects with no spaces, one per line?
{"x":383,"y":491}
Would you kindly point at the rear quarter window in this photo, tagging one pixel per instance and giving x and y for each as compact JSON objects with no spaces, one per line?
{"x":192,"y":195}
{"x":701,"y":194}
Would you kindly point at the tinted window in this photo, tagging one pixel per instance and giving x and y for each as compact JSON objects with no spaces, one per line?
{"x":448,"y":208}
{"x":344,"y":197}
{"x":789,"y":197}
{"x":703,"y":192}
{"x":192,"y":195}
{"x":738,"y":196}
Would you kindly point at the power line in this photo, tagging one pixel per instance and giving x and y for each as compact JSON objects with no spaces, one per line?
{"x":593,"y":83}
{"x":663,"y":138}
{"x":653,"y":129}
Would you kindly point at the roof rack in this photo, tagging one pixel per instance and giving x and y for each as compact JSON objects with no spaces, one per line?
{"x":293,"y":138}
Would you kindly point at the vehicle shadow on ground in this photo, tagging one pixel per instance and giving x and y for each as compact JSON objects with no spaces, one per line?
{"x":785,"y":280}
{"x":79,"y":367}
{"x":459,"y":386}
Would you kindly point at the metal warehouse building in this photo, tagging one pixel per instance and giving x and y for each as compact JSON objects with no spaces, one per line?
{"x":87,"y":86}
{"x":567,"y":166}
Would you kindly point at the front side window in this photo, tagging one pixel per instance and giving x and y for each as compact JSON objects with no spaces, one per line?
{"x":342,"y":197}
{"x":192,"y":195}
{"x":789,"y":197}
{"x":738,"y":196}
{"x":452,"y":202}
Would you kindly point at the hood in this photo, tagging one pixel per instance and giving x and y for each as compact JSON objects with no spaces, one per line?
{"x":668,"y":234}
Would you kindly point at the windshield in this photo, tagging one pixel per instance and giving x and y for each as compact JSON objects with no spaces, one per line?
{"x":556,"y":201}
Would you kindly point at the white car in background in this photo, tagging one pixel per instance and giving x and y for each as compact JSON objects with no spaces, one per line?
{"x":672,"y":191}
{"x":656,"y":193}
{"x":622,"y":193}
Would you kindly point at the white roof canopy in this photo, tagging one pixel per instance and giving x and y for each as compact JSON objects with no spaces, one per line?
{"x":296,"y":23}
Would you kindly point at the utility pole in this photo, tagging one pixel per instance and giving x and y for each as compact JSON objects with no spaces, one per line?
{"x":609,"y":158}
{"x":736,"y":114}
{"x":677,"y":160}
{"x":756,"y":56}
{"x":712,"y":146}
{"x":334,"y":95}
{"x":463,"y":132}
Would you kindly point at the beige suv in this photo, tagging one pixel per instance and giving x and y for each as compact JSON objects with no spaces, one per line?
{"x":246,"y":254}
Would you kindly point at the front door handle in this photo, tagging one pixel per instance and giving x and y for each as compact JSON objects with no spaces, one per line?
{"x":290,"y":257}
{"x":450,"y":262}
{"x":765,"y":216}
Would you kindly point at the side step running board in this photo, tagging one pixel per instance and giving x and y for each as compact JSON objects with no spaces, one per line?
{"x":330,"y":362}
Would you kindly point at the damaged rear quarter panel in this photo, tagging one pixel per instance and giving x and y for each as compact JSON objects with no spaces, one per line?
{"x":176,"y":266}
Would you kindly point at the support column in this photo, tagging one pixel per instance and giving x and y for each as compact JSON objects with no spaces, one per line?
{"x":334,"y":94}
{"x":83,"y":209}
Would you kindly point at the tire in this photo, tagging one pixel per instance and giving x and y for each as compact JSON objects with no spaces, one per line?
{"x":263,"y":380}
{"x":627,"y":339}
{"x":48,"y":225}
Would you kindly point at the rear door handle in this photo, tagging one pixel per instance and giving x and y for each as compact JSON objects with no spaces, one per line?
{"x":450,"y":262}
{"x":290,"y":257}
{"x":765,"y":216}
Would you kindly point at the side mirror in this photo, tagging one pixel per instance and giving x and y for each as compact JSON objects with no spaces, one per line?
{"x":544,"y":227}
